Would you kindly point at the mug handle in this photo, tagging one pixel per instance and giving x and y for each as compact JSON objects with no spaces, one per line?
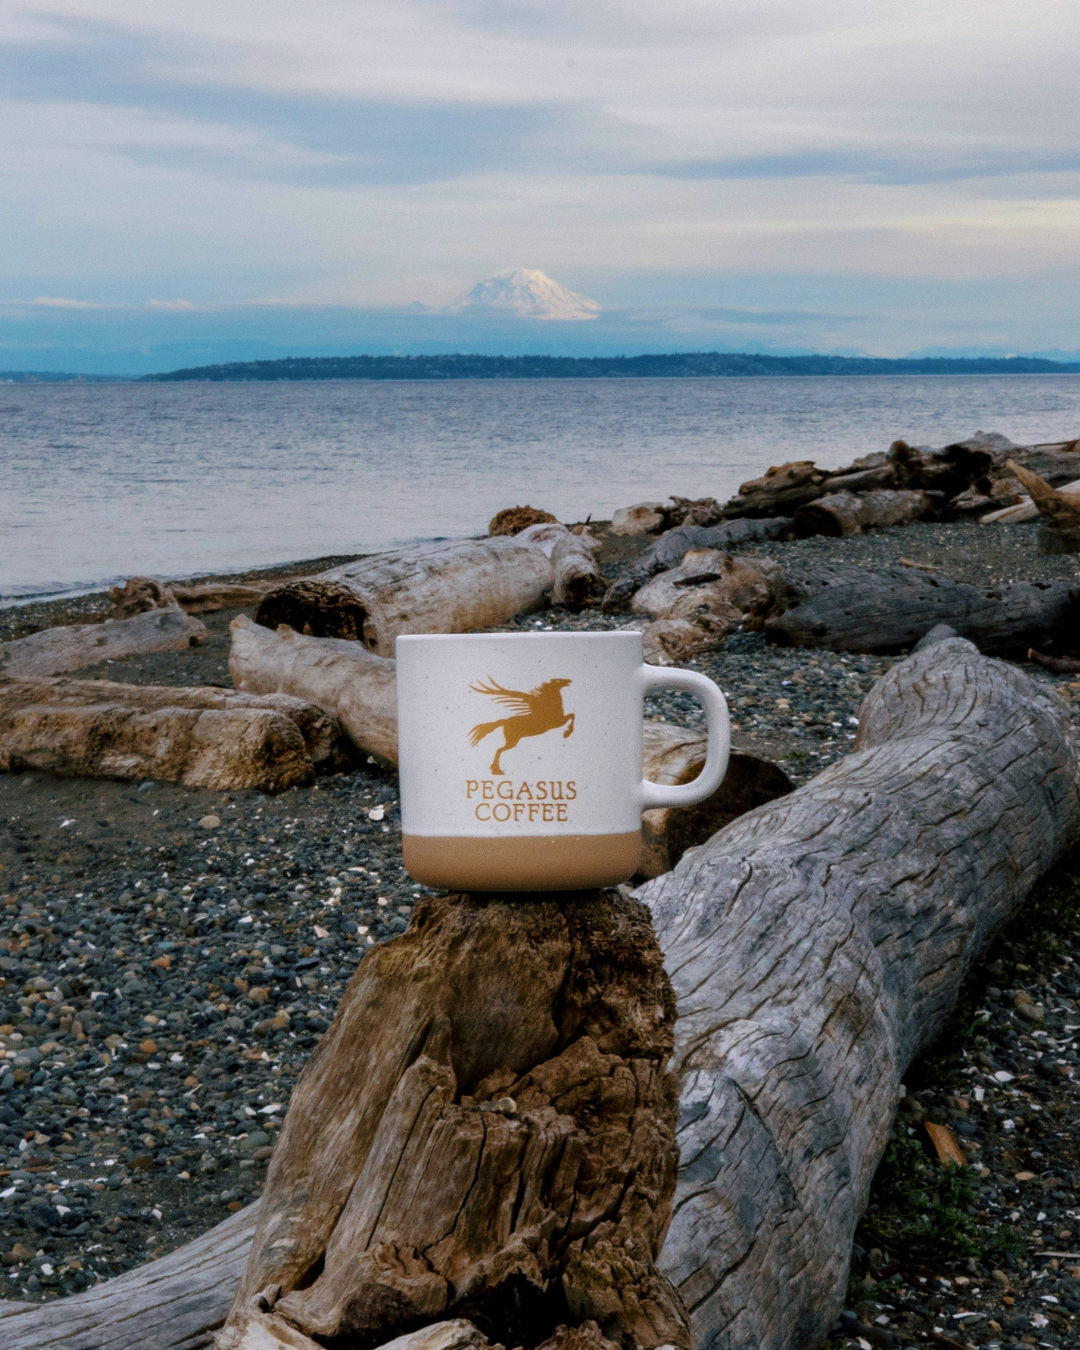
{"x":718,"y":724}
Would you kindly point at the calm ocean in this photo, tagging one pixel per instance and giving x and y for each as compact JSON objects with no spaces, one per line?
{"x":98,"y":482}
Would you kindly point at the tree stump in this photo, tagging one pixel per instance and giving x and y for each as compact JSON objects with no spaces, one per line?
{"x":485,"y":1132}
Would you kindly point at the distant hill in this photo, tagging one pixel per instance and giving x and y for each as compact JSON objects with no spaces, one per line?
{"x":679,"y":365}
{"x":55,"y":377}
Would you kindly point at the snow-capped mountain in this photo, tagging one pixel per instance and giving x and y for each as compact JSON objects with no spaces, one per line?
{"x":527,"y":294}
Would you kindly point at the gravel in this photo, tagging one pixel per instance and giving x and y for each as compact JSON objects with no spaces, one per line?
{"x":170,"y":956}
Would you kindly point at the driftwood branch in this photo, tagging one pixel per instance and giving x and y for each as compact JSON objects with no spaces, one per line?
{"x":202,"y":737}
{"x":816,"y":945}
{"x":139,"y":594}
{"x":449,"y":587}
{"x":56,"y":650}
{"x":1059,"y":531}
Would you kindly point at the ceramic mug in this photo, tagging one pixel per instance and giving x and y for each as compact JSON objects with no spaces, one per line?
{"x":520,"y":757}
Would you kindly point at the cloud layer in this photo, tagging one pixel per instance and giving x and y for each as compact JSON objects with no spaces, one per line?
{"x":762,"y":173}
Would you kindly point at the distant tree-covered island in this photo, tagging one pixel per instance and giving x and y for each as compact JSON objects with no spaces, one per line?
{"x":681,"y":365}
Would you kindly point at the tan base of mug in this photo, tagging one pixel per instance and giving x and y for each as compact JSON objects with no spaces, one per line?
{"x":556,"y":862}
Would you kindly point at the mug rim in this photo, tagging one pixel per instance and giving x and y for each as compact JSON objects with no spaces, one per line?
{"x":625,"y":635}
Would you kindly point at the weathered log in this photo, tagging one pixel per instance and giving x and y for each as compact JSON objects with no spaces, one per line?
{"x":676,"y":755}
{"x":202,"y":737}
{"x":514,"y":519}
{"x":849,"y":609}
{"x":486,"y":1131}
{"x":842,"y":513}
{"x":670,"y":549}
{"x":56,"y":650}
{"x":673,"y":642}
{"x":781,"y":490}
{"x":644,"y":518}
{"x":729,"y":589}
{"x":579,"y":581}
{"x":836,"y":514}
{"x":139,"y":594}
{"x":816,"y":946}
{"x":449,"y":587}
{"x":343,"y":678}
{"x":175,"y":1303}
{"x":1025,"y":509}
{"x":1059,"y":529}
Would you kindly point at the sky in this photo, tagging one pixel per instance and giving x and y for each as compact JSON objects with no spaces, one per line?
{"x":207,"y":181}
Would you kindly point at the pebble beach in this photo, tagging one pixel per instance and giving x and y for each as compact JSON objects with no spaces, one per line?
{"x":170,"y":956}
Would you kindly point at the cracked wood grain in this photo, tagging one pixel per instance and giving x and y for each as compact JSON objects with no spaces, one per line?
{"x":816,"y":945}
{"x":486,"y":1132}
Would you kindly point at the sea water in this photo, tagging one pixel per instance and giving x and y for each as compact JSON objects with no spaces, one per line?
{"x":98,"y":482}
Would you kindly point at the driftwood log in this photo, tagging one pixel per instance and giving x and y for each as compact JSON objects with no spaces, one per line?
{"x":56,"y":650}
{"x":578,"y":581}
{"x":730,"y":589}
{"x":1025,"y":509}
{"x":486,"y":1131}
{"x":670,"y":549}
{"x":353,"y":685}
{"x":841,"y":513}
{"x":816,"y":946}
{"x":449,"y":587}
{"x":175,"y":1303}
{"x":1057,"y":665}
{"x":200,"y":736}
{"x":847,"y":609}
{"x":676,"y":755}
{"x":1059,"y":528}
{"x":139,"y":594}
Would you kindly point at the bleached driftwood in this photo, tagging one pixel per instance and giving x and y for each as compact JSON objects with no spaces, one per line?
{"x":843,"y":513}
{"x":449,"y":587}
{"x":1025,"y":509}
{"x":343,"y":678}
{"x":139,"y":594}
{"x":174,"y":1303}
{"x":730,"y":589}
{"x":485,"y":1132}
{"x":674,"y":755}
{"x":670,"y":549}
{"x":817,"y":945}
{"x":578,"y":581}
{"x":56,"y":650}
{"x":849,"y":609}
{"x":643,"y":518}
{"x":1059,"y":530}
{"x":203,"y":737}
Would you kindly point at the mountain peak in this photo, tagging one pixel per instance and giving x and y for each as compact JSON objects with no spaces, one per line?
{"x":527,"y":294}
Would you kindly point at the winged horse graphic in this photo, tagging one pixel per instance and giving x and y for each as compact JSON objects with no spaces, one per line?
{"x":534,"y":713}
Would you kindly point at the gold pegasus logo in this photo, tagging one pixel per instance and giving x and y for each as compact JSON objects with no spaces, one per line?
{"x":537,"y":711}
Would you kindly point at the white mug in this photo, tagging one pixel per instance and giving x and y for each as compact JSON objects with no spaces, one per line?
{"x":520,"y":757}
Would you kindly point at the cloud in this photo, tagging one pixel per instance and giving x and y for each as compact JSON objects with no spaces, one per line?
{"x":58,"y":302}
{"x":179,"y":306}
